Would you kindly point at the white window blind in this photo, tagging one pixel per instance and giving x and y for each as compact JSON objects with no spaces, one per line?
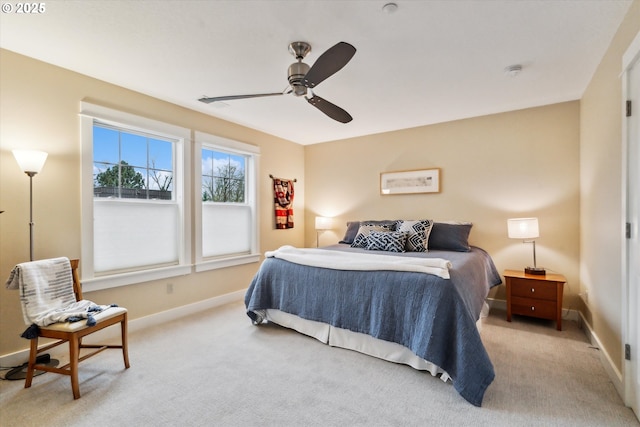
{"x":226,"y":229}
{"x":132,"y":235}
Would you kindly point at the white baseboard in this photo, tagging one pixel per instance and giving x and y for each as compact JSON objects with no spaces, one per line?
{"x":22,"y":356}
{"x":185,"y":310}
{"x":610,"y":368}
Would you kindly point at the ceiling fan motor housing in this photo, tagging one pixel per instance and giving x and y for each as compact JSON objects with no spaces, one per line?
{"x":297,"y":71}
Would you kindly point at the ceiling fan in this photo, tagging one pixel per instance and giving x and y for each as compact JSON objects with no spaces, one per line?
{"x":302,"y":78}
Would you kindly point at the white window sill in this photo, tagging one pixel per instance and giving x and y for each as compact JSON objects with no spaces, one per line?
{"x":131,"y":278}
{"x":124,"y":279}
{"x":226,"y":262}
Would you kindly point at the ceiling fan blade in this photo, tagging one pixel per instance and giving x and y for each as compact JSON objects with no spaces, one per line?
{"x":329,"y":63}
{"x":232,"y":97}
{"x":331,"y":110}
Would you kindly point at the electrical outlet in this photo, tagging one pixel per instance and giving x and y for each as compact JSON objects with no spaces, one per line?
{"x":169,"y":288}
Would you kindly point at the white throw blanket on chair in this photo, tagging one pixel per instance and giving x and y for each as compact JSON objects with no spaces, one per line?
{"x":46,"y":293}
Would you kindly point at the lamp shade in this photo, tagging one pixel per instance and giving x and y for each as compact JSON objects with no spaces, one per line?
{"x":323,"y":223}
{"x":30,"y":160}
{"x":523,"y":228}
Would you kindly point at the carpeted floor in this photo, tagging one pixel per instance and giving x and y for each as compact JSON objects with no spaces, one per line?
{"x":216,"y":369}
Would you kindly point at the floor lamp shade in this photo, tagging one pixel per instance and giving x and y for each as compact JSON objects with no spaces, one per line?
{"x":30,"y":161}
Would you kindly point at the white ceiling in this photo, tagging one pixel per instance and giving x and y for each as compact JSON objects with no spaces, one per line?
{"x":429,"y":62}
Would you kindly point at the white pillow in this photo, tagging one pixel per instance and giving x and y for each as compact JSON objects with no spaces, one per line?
{"x":418,"y":232}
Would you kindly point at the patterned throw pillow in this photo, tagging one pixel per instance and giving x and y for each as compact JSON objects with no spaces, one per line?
{"x":418,"y":234}
{"x":393,"y":241}
{"x":353,"y":226}
{"x":363,"y":233}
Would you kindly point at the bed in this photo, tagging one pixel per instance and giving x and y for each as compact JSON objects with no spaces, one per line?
{"x":417,"y":307}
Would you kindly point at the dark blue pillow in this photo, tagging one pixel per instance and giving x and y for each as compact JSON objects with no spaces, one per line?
{"x":450,"y":237}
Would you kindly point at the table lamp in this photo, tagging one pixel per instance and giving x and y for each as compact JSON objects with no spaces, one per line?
{"x":527,"y":230}
{"x":322,"y":223}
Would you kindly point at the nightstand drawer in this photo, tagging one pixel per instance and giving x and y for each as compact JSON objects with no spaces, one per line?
{"x":533,"y":289}
{"x":533,"y":307}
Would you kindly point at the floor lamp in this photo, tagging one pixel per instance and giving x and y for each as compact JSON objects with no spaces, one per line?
{"x":31,"y":163}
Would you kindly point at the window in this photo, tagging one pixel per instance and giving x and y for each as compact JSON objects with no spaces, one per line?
{"x":130,"y":165}
{"x":134,"y":199}
{"x":226,"y":215}
{"x":223,"y":177}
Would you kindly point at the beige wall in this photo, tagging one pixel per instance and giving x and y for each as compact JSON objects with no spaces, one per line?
{"x":601,"y":160}
{"x":520,"y":163}
{"x":39,"y":106}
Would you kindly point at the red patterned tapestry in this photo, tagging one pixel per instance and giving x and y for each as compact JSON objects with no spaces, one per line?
{"x":283,"y":201}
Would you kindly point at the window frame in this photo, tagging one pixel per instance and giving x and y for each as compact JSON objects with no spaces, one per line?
{"x":90,"y":113}
{"x":252,"y":152}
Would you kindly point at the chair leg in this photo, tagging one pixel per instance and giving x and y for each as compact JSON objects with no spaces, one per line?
{"x":74,"y":354}
{"x":125,"y":350}
{"x":33,"y":354}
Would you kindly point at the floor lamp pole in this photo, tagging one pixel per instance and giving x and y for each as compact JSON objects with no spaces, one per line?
{"x":31,"y":174}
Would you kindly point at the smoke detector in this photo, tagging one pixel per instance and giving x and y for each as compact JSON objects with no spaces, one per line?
{"x":513,"y":70}
{"x":390,"y":8}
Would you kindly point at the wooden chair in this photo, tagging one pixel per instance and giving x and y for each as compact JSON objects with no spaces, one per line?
{"x":73,"y":332}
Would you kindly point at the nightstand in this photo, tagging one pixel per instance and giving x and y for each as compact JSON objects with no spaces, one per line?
{"x":534,"y":295}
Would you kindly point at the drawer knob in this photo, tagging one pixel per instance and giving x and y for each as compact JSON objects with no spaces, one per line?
{"x":533,"y":309}
{"x":533,"y":290}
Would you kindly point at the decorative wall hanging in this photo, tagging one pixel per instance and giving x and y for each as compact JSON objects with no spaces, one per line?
{"x":410,"y":182}
{"x":283,"y":202}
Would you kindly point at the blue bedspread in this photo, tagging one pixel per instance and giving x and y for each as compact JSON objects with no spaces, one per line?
{"x":433,"y":317}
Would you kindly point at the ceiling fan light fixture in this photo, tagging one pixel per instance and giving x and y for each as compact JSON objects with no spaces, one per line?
{"x":299,"y":90}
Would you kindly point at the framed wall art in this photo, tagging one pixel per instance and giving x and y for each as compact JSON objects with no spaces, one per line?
{"x":410,"y":182}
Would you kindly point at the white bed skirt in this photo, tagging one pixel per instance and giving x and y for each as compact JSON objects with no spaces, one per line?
{"x":362,"y":343}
